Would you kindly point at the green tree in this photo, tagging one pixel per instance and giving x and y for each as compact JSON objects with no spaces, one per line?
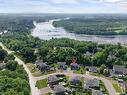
{"x":11,"y":65}
{"x":9,"y":57}
{"x":3,"y":54}
{"x":102,"y":68}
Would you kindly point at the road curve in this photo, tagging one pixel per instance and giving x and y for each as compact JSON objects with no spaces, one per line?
{"x":34,"y":90}
{"x":107,"y":83}
{"x":32,"y":80}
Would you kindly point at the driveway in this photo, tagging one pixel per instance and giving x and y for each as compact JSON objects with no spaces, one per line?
{"x":45,"y":90}
{"x":33,"y":80}
{"x":107,"y":83}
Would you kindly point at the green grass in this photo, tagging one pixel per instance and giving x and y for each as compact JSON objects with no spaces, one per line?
{"x":37,"y":74}
{"x":117,"y":88}
{"x":41,"y":83}
{"x":103,"y":88}
{"x":80,"y":71}
{"x":96,"y":74}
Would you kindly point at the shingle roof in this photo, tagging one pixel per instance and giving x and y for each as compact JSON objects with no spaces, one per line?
{"x":61,"y":63}
{"x":92,"y":83}
{"x":75,"y":79}
{"x":96,"y":92}
{"x":119,"y":68}
{"x":74,"y":64}
{"x":59,"y":88}
{"x":52,"y":78}
{"x":41,"y":63}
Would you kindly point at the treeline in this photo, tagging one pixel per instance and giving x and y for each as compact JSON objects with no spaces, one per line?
{"x":13,"y":79}
{"x":54,"y":50}
{"x":98,"y":25}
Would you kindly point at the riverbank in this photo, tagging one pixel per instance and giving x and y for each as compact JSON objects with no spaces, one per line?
{"x":47,"y":31}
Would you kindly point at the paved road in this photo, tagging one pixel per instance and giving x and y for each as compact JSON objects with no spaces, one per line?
{"x":34,"y":89}
{"x":107,"y":83}
{"x":33,"y":80}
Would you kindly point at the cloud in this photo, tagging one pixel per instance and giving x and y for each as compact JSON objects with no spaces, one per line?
{"x":63,"y":6}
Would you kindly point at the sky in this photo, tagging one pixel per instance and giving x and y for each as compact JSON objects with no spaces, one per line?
{"x":63,"y":6}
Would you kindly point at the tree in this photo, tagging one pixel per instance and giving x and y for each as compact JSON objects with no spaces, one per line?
{"x":99,"y":58}
{"x":102,"y":68}
{"x":3,"y":54}
{"x":9,"y":57}
{"x":28,"y":54}
{"x":106,"y":72}
{"x":11,"y":92}
{"x":11,"y":65}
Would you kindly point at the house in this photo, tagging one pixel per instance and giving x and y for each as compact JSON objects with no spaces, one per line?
{"x":93,"y":69}
{"x":119,"y":69}
{"x":76,"y":80}
{"x":75,"y":66}
{"x":92,"y":84}
{"x":96,"y":92}
{"x":42,"y":66}
{"x":53,"y":80}
{"x":62,"y":65}
{"x":59,"y":90}
{"x":2,"y":65}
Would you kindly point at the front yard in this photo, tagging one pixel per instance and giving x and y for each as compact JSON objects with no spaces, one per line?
{"x":41,"y":83}
{"x":116,"y":86}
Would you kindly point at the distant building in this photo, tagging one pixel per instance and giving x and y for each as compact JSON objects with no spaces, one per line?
{"x":42,"y":66}
{"x":2,"y":65}
{"x":62,"y":65}
{"x":92,"y":84}
{"x":59,"y":90}
{"x":96,"y":92}
{"x":76,"y":80}
{"x":119,"y":69}
{"x":53,"y":80}
{"x":93,"y":69}
{"x":75,"y":66}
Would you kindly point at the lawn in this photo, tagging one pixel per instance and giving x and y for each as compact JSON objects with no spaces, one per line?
{"x":41,"y":83}
{"x":103,"y":88}
{"x":31,"y":67}
{"x":117,"y":88}
{"x":80,"y":71}
{"x":96,"y":74}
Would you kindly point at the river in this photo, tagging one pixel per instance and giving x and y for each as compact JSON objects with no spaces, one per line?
{"x":47,"y":31}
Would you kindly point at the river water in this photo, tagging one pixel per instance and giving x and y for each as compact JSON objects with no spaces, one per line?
{"x":47,"y":31}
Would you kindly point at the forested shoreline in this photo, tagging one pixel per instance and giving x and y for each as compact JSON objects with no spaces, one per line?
{"x":96,"y":25}
{"x":54,"y":50}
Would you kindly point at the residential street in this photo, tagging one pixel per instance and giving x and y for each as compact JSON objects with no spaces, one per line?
{"x":34,"y":89}
{"x":33,"y":80}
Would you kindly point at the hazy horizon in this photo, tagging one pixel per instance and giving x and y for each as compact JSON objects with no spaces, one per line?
{"x":64,"y":6}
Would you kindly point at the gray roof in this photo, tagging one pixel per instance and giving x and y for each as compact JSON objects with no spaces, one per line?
{"x":119,"y":68}
{"x":92,"y":83}
{"x":96,"y":92}
{"x":74,"y":64}
{"x":61,"y":63}
{"x":93,"y":69}
{"x":41,"y":63}
{"x":52,"y":78}
{"x":75,"y":78}
{"x":59,"y":89}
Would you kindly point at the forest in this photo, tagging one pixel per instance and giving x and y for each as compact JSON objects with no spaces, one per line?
{"x":54,"y":50}
{"x":14,"y":79}
{"x":95,"y":25}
